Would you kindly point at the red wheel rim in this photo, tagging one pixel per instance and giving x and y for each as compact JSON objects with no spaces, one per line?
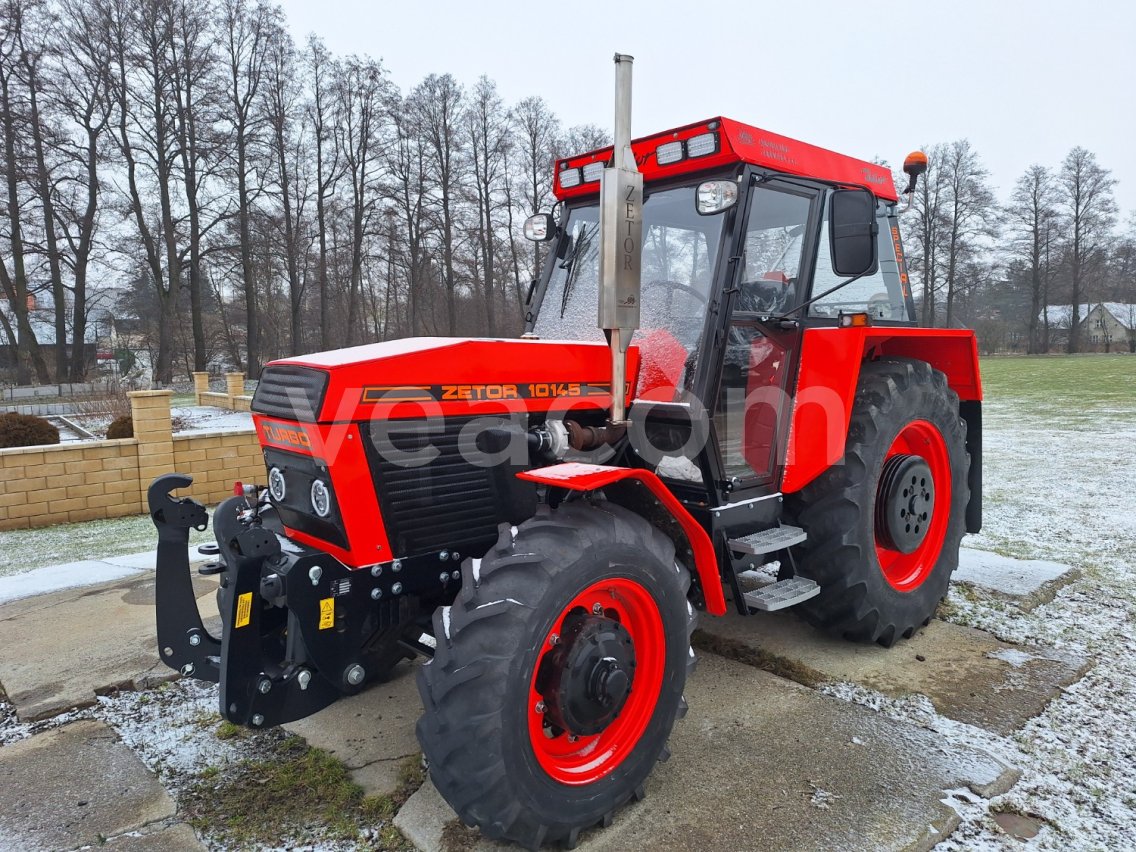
{"x":906,"y":572}
{"x":586,"y":759}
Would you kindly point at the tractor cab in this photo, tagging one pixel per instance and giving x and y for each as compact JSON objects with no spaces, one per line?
{"x":748,"y":240}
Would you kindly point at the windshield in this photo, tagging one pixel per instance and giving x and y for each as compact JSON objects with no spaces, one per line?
{"x":679,"y":252}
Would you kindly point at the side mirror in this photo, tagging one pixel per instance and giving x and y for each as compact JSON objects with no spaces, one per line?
{"x":540,"y":228}
{"x":852,"y":232}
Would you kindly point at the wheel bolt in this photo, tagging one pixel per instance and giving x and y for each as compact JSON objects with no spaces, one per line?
{"x":597,"y":608}
{"x":258,"y":720}
{"x":541,"y":707}
{"x":554,"y":639}
{"x":376,"y":594}
{"x":265,"y":686}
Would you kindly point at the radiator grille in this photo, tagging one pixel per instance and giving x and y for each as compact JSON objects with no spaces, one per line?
{"x":295,"y":393}
{"x":445,"y":503}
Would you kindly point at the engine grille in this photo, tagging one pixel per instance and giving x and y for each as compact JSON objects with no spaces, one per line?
{"x":295,"y":393}
{"x":445,"y":503}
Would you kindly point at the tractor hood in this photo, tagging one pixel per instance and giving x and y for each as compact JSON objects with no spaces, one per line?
{"x":421,"y":376}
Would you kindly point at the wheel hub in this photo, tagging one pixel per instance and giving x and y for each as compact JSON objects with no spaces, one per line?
{"x":905,"y":503}
{"x":587,"y":679}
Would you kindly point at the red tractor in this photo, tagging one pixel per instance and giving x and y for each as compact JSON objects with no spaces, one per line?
{"x":541,"y":519}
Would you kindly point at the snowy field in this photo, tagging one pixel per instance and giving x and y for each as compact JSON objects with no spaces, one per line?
{"x":1060,"y":464}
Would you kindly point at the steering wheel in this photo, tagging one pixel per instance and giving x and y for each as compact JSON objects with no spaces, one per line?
{"x":673,"y":286}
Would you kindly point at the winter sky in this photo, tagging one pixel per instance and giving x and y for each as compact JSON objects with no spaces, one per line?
{"x":1024,"y":81}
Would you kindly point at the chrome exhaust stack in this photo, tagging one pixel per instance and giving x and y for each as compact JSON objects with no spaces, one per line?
{"x":621,"y":242}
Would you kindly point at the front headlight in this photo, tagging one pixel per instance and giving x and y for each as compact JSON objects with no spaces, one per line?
{"x":276,"y":485}
{"x":321,"y":498}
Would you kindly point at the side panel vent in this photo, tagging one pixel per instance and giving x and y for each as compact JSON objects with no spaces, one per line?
{"x":294,"y":393}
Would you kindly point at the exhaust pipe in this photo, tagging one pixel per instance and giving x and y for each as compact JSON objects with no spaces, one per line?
{"x":621,"y":242}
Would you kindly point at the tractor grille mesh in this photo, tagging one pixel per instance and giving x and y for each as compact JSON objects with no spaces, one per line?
{"x":445,"y":503}
{"x":295,"y":393}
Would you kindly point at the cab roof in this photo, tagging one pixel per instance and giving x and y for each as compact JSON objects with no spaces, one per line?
{"x":733,"y":142}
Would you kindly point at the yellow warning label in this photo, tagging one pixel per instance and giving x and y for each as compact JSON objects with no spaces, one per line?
{"x":327,"y":613}
{"x":244,"y":609}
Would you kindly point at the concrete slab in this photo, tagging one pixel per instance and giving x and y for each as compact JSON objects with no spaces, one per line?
{"x":761,"y":762}
{"x":1029,"y":583}
{"x":64,"y":648}
{"x":177,"y":837}
{"x":372,"y":732}
{"x":87,"y":572}
{"x":967,"y":674}
{"x":73,"y":786}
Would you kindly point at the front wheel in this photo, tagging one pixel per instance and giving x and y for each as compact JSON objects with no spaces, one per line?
{"x":558,"y":673}
{"x":885,"y":523}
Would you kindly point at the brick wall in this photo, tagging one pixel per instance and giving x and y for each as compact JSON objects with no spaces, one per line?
{"x":234,"y":397}
{"x":40,"y":486}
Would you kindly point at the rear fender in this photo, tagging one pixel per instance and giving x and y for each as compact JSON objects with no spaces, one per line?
{"x":829,"y":371}
{"x":658,"y":505}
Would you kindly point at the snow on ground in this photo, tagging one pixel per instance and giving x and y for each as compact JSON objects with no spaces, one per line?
{"x":195,"y":419}
{"x":1057,"y":476}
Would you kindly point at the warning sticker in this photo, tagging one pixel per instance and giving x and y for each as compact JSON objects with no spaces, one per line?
{"x":327,"y":613}
{"x":244,"y":609}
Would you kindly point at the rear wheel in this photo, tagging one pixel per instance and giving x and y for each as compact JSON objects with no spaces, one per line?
{"x":558,"y":673}
{"x":885,"y":524}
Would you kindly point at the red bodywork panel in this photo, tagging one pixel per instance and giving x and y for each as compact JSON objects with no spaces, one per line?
{"x":399,"y":379}
{"x":829,"y":371}
{"x":739,"y":143}
{"x":588,"y":477}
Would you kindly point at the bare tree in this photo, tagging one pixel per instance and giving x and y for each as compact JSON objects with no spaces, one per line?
{"x":245,"y":27}
{"x":322,"y":71}
{"x":539,"y":132}
{"x":967,"y":211}
{"x":285,"y":117}
{"x":1090,"y":211}
{"x":361,"y":95}
{"x":1031,"y":211}
{"x":437,"y":103}
{"x":82,"y":96}
{"x":13,"y":116}
{"x":486,"y":125}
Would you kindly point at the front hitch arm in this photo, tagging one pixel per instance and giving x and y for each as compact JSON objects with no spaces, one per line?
{"x":257,"y":688}
{"x":183,"y":642}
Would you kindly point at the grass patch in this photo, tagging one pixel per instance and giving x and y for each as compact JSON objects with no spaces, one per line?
{"x":758,"y":658}
{"x":1069,"y":384}
{"x":23,"y":550}
{"x":297,"y":794}
{"x":227,"y":730}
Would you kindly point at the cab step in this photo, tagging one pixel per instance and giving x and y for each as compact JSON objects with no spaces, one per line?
{"x":768,"y":541}
{"x":782,"y":594}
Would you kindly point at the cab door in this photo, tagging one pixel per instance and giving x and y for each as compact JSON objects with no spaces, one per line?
{"x":776,"y":254}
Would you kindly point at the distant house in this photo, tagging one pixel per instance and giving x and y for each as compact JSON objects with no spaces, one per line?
{"x":1105,"y":326}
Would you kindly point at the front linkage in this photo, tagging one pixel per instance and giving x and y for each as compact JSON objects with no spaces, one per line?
{"x":298,"y":628}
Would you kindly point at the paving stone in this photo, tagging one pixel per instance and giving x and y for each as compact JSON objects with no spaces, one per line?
{"x":372,"y":732}
{"x":762,"y":762}
{"x":65,"y":647}
{"x":73,"y":786}
{"x":967,"y":674}
{"x":1029,"y":583}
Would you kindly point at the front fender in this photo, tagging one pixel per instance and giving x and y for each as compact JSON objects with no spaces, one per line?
{"x":576,"y":476}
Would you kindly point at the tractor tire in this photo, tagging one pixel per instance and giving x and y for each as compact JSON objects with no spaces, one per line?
{"x":558,"y":673}
{"x":885,"y":524}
